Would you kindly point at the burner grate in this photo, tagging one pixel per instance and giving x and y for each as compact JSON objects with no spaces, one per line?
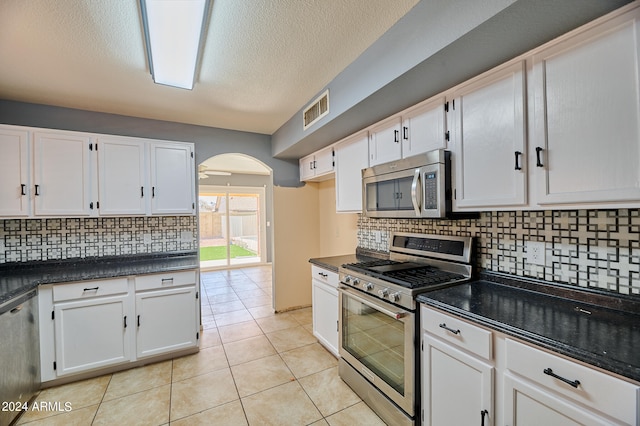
{"x":409,"y":276}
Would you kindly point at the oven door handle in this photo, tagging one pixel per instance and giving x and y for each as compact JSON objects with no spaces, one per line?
{"x":414,"y":192}
{"x":373,"y":304}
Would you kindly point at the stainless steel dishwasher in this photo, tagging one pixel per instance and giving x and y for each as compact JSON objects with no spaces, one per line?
{"x":19,"y":354}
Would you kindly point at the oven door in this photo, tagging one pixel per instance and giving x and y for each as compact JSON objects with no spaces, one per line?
{"x":377,"y":339}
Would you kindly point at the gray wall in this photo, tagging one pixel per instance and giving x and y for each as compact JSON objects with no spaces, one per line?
{"x":437,"y":45}
{"x":208,"y":141}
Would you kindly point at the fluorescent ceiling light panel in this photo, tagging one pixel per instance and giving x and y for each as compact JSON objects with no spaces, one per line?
{"x":173,"y":31}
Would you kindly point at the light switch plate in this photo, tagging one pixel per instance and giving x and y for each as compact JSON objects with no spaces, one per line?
{"x":535,"y":252}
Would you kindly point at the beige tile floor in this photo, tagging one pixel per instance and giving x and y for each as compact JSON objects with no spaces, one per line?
{"x":254,"y":368}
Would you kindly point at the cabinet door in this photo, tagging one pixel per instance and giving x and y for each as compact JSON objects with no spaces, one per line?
{"x":423,"y":128}
{"x":91,"y":333}
{"x":488,"y":140}
{"x":62,"y":175}
{"x":457,"y":387}
{"x":172,"y":178}
{"x":306,"y":167}
{"x":325,"y":315}
{"x":351,"y":158}
{"x":324,"y":161}
{"x":166,"y":320}
{"x":14,"y":172}
{"x":384,"y":142}
{"x":122,"y":176}
{"x":526,"y":404}
{"x":587,"y":115}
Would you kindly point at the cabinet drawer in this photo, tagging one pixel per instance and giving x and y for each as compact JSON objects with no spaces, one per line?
{"x":89,"y":289}
{"x":165,"y":280}
{"x":324,"y":275}
{"x":459,"y":332}
{"x":607,"y":394}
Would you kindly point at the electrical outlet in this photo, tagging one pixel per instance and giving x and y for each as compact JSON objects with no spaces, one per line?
{"x":535,"y":254}
{"x":378,"y":236}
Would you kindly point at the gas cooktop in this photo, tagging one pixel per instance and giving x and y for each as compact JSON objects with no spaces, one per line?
{"x":405,"y":274}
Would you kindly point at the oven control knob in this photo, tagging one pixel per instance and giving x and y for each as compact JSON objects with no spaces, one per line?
{"x":384,"y":292}
{"x":395,"y":296}
{"x":356,"y":281}
{"x":347,"y":279}
{"x":367,"y":286}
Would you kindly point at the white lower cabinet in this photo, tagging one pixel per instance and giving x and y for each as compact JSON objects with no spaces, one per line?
{"x":325,"y":307}
{"x":88,"y":326}
{"x":91,"y":333}
{"x":158,"y":332}
{"x":527,"y":404}
{"x":457,"y":382}
{"x":518,"y":384}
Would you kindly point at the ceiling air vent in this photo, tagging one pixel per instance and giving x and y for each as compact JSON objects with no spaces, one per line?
{"x":314,"y":112}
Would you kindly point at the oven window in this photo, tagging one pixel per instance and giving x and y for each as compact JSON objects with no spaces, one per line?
{"x":375,"y":340}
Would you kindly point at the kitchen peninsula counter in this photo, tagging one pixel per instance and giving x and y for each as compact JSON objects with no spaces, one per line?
{"x":598,"y":328}
{"x":18,"y":278}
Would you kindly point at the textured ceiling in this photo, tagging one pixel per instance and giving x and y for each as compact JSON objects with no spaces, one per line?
{"x":262,"y":61}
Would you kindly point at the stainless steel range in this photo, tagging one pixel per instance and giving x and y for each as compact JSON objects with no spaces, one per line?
{"x":379,"y":317}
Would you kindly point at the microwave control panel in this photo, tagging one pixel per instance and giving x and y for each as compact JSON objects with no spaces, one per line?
{"x":431,"y":190}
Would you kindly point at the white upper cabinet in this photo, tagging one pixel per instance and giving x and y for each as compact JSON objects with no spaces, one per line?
{"x":172,"y":178}
{"x":351,"y":158}
{"x":52,"y":173}
{"x":424,"y":127}
{"x":122,"y":176}
{"x":587,"y":114}
{"x":317,"y":166}
{"x":14,"y":172}
{"x":488,"y":139}
{"x":62,"y":175}
{"x":384,"y":141}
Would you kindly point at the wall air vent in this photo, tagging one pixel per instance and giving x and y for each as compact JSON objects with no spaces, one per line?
{"x":314,"y":112}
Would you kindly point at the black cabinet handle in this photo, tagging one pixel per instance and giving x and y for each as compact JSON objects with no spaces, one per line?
{"x":141,"y":191}
{"x":37,"y":189}
{"x":549,"y":372}
{"x":443,"y":325}
{"x":518,"y":154}
{"x":91,"y":205}
{"x":138,"y":320}
{"x":396,"y":134}
{"x":91,"y":289}
{"x":323,"y":275}
{"x":23,"y":189}
{"x":405,"y":133}
{"x":483,"y":413}
{"x":538,"y":161}
{"x":153,"y":191}
{"x":125,"y":321}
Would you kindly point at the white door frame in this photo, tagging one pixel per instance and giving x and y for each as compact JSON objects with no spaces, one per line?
{"x":262,"y":219}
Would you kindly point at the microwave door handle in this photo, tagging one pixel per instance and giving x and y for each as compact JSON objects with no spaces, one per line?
{"x":414,"y":192}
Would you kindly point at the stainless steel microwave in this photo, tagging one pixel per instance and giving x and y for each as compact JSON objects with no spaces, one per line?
{"x":418,"y":186}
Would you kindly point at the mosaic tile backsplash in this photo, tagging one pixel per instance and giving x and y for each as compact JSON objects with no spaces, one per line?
{"x":589,"y":248}
{"x":25,"y":240}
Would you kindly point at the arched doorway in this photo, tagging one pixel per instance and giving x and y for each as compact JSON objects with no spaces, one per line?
{"x":235,"y":211}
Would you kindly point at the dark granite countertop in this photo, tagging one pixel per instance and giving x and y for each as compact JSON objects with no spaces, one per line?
{"x":18,"y":278}
{"x":332,"y":263}
{"x":600,"y":329}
